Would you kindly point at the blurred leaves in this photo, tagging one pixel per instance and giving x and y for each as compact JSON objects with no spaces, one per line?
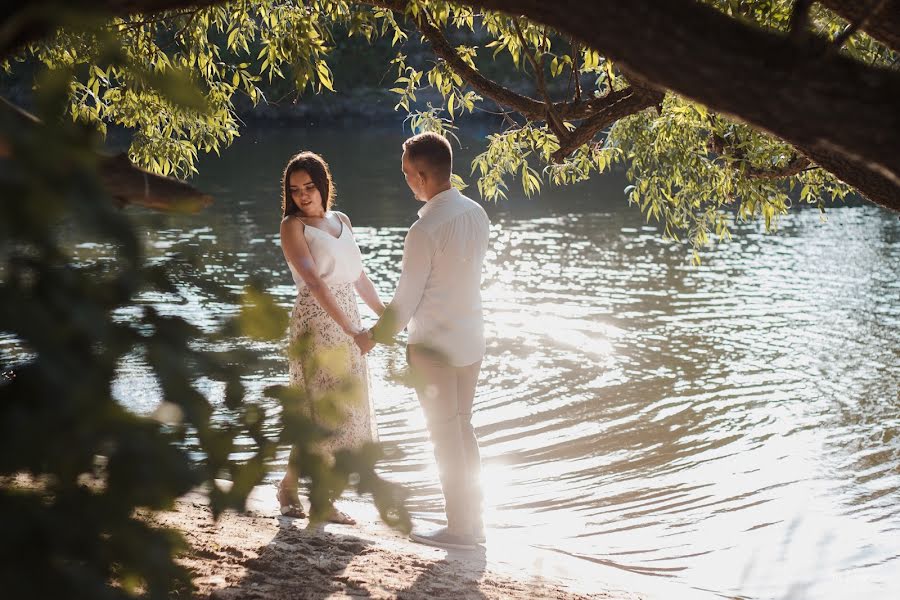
{"x":261,"y":318}
{"x":72,"y":532}
{"x":77,"y":468}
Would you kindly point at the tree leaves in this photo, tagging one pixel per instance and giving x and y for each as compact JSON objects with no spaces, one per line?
{"x":126,"y":69}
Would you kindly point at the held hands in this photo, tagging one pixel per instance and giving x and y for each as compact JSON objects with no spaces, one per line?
{"x":364,"y":340}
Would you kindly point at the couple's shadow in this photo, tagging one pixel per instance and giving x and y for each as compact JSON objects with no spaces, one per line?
{"x":314,"y":563}
{"x":455,"y":576}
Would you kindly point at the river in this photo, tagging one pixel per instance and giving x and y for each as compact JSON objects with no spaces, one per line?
{"x":731,"y":427}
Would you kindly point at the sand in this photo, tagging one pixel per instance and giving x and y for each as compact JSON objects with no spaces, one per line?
{"x":260,"y":554}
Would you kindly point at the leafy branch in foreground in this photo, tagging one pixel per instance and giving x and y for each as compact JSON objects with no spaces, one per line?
{"x":77,"y":467}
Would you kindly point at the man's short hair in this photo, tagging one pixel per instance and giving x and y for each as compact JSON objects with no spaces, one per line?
{"x":433,"y":150}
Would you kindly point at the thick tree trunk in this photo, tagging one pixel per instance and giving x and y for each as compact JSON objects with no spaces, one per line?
{"x":841,"y":113}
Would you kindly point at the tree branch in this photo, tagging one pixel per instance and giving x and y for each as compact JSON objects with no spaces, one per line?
{"x":125,"y":182}
{"x":884,"y":24}
{"x":24,"y":22}
{"x":528,"y":107}
{"x":619,"y":104}
{"x":598,"y":113}
{"x":552,"y":119}
{"x":830,"y":106}
{"x":576,"y":73}
{"x":800,"y":18}
{"x":795,"y":166}
{"x":874,"y":7}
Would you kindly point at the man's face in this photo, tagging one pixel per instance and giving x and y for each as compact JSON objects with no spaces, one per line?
{"x":414,"y":178}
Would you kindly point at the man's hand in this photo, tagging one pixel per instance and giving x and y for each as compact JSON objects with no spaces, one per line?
{"x":364,"y":340}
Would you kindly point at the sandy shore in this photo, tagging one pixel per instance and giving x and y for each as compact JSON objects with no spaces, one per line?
{"x":261,"y":554}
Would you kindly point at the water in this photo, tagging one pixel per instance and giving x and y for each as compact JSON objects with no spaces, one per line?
{"x":732,"y":427}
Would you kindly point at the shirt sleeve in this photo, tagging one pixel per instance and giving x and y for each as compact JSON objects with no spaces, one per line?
{"x":416,"y":267}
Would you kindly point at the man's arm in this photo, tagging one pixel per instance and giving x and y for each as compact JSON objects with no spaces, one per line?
{"x":418,"y":251}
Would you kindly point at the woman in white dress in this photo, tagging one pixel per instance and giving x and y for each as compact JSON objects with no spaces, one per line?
{"x":326,"y":265}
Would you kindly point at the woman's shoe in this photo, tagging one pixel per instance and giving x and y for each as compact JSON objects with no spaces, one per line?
{"x":341,"y":518}
{"x":289,"y":503}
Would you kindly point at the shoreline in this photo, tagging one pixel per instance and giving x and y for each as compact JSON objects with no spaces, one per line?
{"x":260,"y":554}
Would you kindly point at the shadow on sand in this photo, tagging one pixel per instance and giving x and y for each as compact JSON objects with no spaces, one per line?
{"x":313,"y":564}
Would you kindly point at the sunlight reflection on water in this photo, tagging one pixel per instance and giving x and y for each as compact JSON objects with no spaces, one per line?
{"x":714,"y":424}
{"x":733,"y":426}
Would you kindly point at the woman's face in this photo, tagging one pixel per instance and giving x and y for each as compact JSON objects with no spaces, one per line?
{"x":305,"y":194}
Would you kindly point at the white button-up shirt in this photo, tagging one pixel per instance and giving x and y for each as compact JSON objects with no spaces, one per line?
{"x":439,"y":293}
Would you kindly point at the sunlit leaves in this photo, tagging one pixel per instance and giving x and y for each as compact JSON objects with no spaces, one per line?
{"x":695,"y":192}
{"x":558,"y":64}
{"x":122,"y":69}
{"x":776,"y":15}
{"x":407,"y":82}
{"x":507,"y":155}
{"x":134,"y":64}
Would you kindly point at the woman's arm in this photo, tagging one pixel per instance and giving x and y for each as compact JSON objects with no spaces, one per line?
{"x":364,"y":286}
{"x":366,"y":290}
{"x":296,"y":251}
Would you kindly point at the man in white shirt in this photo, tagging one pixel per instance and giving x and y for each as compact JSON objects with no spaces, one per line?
{"x":438,"y":298}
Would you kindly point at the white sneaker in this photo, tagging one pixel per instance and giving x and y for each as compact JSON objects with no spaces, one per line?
{"x":442,"y":538}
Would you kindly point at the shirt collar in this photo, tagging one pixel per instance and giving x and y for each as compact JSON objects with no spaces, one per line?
{"x":439,"y":198}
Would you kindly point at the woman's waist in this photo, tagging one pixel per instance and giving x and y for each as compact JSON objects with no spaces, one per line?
{"x":335,"y":287}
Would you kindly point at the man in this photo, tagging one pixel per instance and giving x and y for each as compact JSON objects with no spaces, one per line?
{"x":439,"y":298}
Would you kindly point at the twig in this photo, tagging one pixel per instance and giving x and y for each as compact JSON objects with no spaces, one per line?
{"x":191,"y":16}
{"x":552,"y":119}
{"x":538,"y":71}
{"x":576,"y":72}
{"x":796,"y":165}
{"x":163,"y":18}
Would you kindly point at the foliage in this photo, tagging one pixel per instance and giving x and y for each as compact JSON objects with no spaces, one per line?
{"x":70,"y":528}
{"x":76,"y":467}
{"x":230,"y":49}
{"x":677,"y":180}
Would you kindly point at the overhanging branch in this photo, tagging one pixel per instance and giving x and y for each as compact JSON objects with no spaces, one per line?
{"x":839,"y":112}
{"x":125,"y":182}
{"x":526,"y":106}
{"x":796,"y":165}
{"x":596,"y":114}
{"x":830,"y":106}
{"x":618,"y":105}
{"x":884,"y":24}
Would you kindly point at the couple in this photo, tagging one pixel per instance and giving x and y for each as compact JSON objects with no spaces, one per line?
{"x":438,"y":298}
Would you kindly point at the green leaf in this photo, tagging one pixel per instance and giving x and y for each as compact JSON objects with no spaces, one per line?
{"x":261,"y":318}
{"x":324,"y":75}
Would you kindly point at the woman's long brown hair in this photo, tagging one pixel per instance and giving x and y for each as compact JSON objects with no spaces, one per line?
{"x":320,"y":175}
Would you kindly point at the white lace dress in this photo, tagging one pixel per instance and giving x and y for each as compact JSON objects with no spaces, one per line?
{"x":323,"y":360}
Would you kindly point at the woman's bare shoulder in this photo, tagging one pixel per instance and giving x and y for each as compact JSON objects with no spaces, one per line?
{"x":343,"y":217}
{"x":292,"y":221}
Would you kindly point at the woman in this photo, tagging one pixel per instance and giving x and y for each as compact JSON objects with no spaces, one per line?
{"x":326,"y":265}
